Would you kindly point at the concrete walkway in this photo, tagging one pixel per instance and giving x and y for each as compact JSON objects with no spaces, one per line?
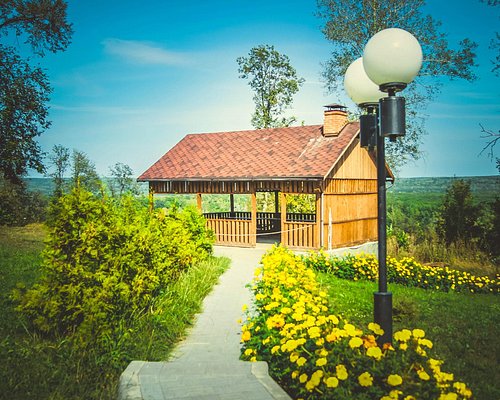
{"x":206,"y":365}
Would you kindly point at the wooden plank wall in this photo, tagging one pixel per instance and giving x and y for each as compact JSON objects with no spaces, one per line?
{"x":350,"y":197}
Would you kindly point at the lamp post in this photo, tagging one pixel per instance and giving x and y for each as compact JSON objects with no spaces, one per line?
{"x":391,"y":59}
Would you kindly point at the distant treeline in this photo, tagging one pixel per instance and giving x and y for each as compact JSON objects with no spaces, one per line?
{"x":46,"y":185}
{"x":479,"y":184}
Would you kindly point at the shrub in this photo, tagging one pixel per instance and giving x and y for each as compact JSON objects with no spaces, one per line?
{"x":105,"y":261}
{"x":405,"y":271}
{"x":18,"y":206}
{"x":318,"y":355}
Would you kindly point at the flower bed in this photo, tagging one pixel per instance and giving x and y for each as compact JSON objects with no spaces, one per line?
{"x":406,"y":272}
{"x":314,"y":354}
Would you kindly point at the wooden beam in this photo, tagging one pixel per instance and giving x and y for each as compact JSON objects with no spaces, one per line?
{"x":283,"y":219}
{"x":253,"y":226}
{"x":319,"y":222}
{"x":231,"y":200}
{"x":198,"y":202}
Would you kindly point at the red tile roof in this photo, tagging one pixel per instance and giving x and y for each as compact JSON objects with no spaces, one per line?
{"x":294,"y":152}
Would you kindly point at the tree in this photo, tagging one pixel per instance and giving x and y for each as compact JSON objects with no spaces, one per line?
{"x":458,"y":214}
{"x":84,"y":173}
{"x":122,"y":181}
{"x":24,"y":89}
{"x":349,"y":24}
{"x":23,"y":115}
{"x":495,"y":42}
{"x":274,"y":82}
{"x":60,"y":161}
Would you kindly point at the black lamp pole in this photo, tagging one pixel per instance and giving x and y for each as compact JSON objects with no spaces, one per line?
{"x":391,"y":59}
{"x":382,"y":298}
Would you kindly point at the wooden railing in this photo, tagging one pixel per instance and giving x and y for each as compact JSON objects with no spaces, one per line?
{"x":235,"y":228}
{"x":299,"y":234}
{"x":232,"y":232}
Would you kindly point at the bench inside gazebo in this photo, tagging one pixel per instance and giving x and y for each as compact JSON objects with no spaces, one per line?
{"x":323,"y":161}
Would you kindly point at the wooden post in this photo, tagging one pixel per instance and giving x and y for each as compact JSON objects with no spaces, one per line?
{"x":198,"y":202}
{"x":284,"y":240}
{"x":319,"y":222}
{"x":276,"y":202}
{"x":253,"y":226}
{"x":231,"y":200}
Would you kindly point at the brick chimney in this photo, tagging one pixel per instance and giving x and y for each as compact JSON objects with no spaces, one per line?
{"x":335,"y":119}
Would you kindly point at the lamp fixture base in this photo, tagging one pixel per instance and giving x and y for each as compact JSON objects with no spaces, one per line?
{"x":392,"y":87}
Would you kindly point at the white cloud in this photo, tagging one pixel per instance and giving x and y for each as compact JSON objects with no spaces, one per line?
{"x":143,"y":52}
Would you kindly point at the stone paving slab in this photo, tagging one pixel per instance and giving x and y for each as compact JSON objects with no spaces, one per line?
{"x":206,"y":365}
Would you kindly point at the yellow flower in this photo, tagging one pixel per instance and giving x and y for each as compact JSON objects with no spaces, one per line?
{"x":418,"y":333}
{"x":355,"y":342}
{"x":403,"y":346}
{"x":295,"y":374}
{"x":410,"y":398}
{"x":301,"y":361}
{"x":321,"y":361}
{"x":394,"y":380}
{"x":341,"y":372}
{"x":423,"y":375}
{"x":248,"y":352}
{"x":426,"y":342}
{"x":332,"y":382}
{"x":365,"y":379}
{"x":245,"y":337}
{"x":403,"y":335}
{"x":374,"y":352}
{"x":244,"y":307}
{"x":275,"y":349}
{"x":314,"y":332}
{"x":375,"y":328}
{"x":323,"y":352}
{"x":294,"y":357}
{"x":448,"y":396}
{"x":303,"y":378}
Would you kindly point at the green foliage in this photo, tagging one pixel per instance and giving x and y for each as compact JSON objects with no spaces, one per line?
{"x":106,"y":261}
{"x":123,"y":181}
{"x":18,"y":206}
{"x":301,"y":203}
{"x":274,"y":82}
{"x":24,"y":89}
{"x":24,"y":92}
{"x":60,"y":161}
{"x":38,"y":367}
{"x":83,"y":173}
{"x":347,"y":26}
{"x":459,"y":214}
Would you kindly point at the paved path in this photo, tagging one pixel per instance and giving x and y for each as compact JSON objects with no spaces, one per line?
{"x":206,"y":365}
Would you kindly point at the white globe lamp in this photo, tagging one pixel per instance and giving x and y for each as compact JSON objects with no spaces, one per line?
{"x":392,"y":58}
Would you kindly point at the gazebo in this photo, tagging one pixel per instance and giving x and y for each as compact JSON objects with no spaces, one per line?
{"x":321,"y":160}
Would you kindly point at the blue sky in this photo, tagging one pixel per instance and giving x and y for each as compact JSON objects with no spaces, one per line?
{"x":139,"y":76}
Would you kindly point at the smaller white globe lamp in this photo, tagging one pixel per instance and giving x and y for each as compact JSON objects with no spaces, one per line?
{"x":359,"y":87}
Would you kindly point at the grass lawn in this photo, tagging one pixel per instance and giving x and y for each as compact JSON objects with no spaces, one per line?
{"x":464,"y":328}
{"x":36,"y":367}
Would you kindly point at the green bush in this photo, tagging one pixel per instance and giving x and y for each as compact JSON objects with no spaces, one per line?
{"x":105,"y":261}
{"x":18,"y":206}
